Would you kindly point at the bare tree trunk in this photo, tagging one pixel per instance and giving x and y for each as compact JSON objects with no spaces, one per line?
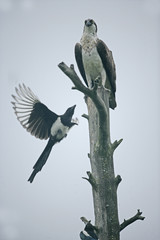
{"x":102,"y":178}
{"x":101,"y":158}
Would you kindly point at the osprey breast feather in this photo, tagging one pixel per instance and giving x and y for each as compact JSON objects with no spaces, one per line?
{"x":93,"y":66}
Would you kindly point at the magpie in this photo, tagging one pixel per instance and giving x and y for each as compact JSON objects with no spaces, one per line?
{"x":41,"y":122}
{"x":89,"y":230}
{"x":85,"y":236}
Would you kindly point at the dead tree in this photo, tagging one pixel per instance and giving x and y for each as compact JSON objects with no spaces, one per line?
{"x":102,"y":178}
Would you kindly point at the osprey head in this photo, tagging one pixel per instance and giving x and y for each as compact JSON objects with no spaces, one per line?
{"x":90,"y":26}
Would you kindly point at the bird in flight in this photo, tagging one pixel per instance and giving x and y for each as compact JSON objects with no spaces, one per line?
{"x":41,"y":122}
{"x":94,"y":59}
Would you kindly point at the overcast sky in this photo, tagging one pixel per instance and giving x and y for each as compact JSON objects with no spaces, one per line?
{"x":35,"y":36}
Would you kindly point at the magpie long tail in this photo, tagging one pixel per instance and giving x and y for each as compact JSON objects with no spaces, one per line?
{"x":42,"y":159}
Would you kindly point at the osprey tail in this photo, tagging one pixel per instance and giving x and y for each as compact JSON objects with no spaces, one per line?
{"x":112,"y":101}
{"x":42,"y":159}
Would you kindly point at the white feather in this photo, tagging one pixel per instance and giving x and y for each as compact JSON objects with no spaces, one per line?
{"x":93,"y":66}
{"x":58,"y":129}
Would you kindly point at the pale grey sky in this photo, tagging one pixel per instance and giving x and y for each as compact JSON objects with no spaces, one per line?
{"x":34,"y":37}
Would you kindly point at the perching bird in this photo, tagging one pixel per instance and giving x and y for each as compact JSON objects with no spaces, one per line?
{"x":85,"y":236}
{"x":94,"y":59}
{"x":37,"y":119}
{"x":89,"y":228}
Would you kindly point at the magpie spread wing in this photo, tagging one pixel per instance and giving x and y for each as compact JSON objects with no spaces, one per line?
{"x":33,"y":115}
{"x":78,"y":56}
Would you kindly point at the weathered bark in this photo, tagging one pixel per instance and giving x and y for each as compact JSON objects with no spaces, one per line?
{"x":101,"y":158}
{"x":102,"y":178}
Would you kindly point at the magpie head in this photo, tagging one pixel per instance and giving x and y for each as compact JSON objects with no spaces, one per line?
{"x":66,"y":118}
{"x":90,"y":26}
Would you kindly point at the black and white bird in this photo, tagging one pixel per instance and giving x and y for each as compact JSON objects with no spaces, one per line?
{"x":85,"y":236}
{"x":41,"y":122}
{"x":90,"y":231}
{"x":94,"y":59}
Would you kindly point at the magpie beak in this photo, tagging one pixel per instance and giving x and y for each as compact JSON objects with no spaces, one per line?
{"x":73,"y":107}
{"x":41,"y":122}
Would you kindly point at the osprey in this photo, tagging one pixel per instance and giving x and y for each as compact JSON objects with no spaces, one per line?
{"x":37,"y":119}
{"x":94,"y":59}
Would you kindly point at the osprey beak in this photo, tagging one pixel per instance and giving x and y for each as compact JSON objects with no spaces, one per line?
{"x":88,"y":22}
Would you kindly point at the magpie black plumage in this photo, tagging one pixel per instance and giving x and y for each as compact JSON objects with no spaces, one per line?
{"x":85,"y":236}
{"x":91,"y":230}
{"x":37,"y":119}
